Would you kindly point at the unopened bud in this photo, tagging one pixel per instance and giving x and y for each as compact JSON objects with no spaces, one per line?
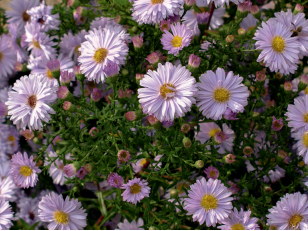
{"x":88,"y":167}
{"x":173,"y":193}
{"x":68,"y":106}
{"x":298,"y":8}
{"x":185,"y":128}
{"x":255,"y":11}
{"x":229,"y":38}
{"x":187,"y":142}
{"x":199,"y":164}
{"x":288,"y":86}
{"x":241,"y":31}
{"x":247,"y":151}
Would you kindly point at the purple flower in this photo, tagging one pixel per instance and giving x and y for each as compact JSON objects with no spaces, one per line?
{"x":277,"y":124}
{"x":211,"y":172}
{"x":6,"y":215}
{"x":69,"y":170}
{"x":194,"y":61}
{"x":164,"y":25}
{"x":62,"y":92}
{"x":123,"y":155}
{"x":93,"y":131}
{"x":167,"y":124}
{"x":153,"y":58}
{"x":111,"y":69}
{"x":96,"y":95}
{"x":203,"y":17}
{"x":230,"y":115}
{"x":135,"y":190}
{"x":82,"y":172}
{"x":24,"y":170}
{"x":245,"y":6}
{"x":137,"y":41}
{"x":67,"y":77}
{"x":115,"y":180}
{"x":220,"y":137}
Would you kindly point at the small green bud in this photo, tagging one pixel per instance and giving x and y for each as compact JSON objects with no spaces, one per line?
{"x":187,"y":142}
{"x":124,"y":72}
{"x":36,"y":140}
{"x":247,"y":83}
{"x":173,"y":193}
{"x":199,"y":164}
{"x":229,"y":38}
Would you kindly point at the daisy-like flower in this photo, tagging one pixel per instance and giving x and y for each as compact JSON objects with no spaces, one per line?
{"x":115,"y":180}
{"x":28,"y":210}
{"x":211,"y":172}
{"x":279,"y":50}
{"x":7,"y":187}
{"x":135,"y":190}
{"x":249,"y":23}
{"x":39,"y":43}
{"x":39,"y":66}
{"x":62,"y":214}
{"x":275,"y":174}
{"x":18,"y":14}
{"x":290,"y":213}
{"x":176,"y":41}
{"x":22,"y":54}
{"x":24,"y":170}
{"x":102,"y":22}
{"x":154,"y":11}
{"x":137,"y":167}
{"x":29,"y":100}
{"x":302,"y":144}
{"x":131,"y":226}
{"x":239,"y":220}
{"x":6,"y":215}
{"x":298,"y":25}
{"x":101,"y":47}
{"x":219,"y":92}
{"x":209,"y":201}
{"x":298,"y":114}
{"x":70,"y":44}
{"x":41,"y":17}
{"x":11,"y":136}
{"x":168,"y":93}
{"x":8,"y":57}
{"x":190,"y":18}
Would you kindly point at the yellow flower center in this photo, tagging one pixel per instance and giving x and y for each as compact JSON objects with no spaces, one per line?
{"x":176,"y":41}
{"x":294,"y":220}
{"x":203,"y":9}
{"x":60,"y":217}
{"x":209,"y":202}
{"x":136,"y":188}
{"x":144,"y":160}
{"x":214,"y":131}
{"x":100,"y":55}
{"x":221,"y":95}
{"x":237,"y":227}
{"x":48,"y":73}
{"x":32,"y":101}
{"x":306,"y":89}
{"x":164,"y":90}
{"x":301,"y":164}
{"x":305,"y":139}
{"x":251,"y":28}
{"x":11,"y":138}
{"x":123,"y":155}
{"x":278,"y":44}
{"x":154,"y":2}
{"x":25,"y":171}
{"x":165,"y":26}
{"x":36,"y":44}
{"x":76,"y":49}
{"x":1,"y":56}
{"x":180,"y":186}
{"x":212,"y":173}
{"x":305,"y":117}
{"x":25,"y":16}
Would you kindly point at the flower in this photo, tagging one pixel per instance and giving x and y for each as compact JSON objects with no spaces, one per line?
{"x":137,"y":167}
{"x":28,"y":102}
{"x":70,"y":169}
{"x":131,"y":226}
{"x":115,"y":180}
{"x":239,"y":221}
{"x":28,"y":210}
{"x":194,"y":61}
{"x":164,"y":25}
{"x":8,"y":58}
{"x":101,"y":47}
{"x":62,"y":214}
{"x":211,"y":172}
{"x":230,"y":115}
{"x":297,"y":24}
{"x":277,"y":124}
{"x":42,"y":18}
{"x":137,"y":41}
{"x":81,"y":173}
{"x":102,"y":22}
{"x":22,"y":54}
{"x":219,"y":92}
{"x":249,"y":23}
{"x":168,"y":92}
{"x":208,"y":201}
{"x":298,"y":114}
{"x":124,"y":155}
{"x":39,"y":43}
{"x":11,"y":137}
{"x":96,"y":95}
{"x":279,"y":50}
{"x":154,"y":11}
{"x":301,"y":144}
{"x":135,"y":190}
{"x":6,"y":215}
{"x":66,"y":76}
{"x":291,"y":212}
{"x":190,"y":18}
{"x":7,"y":186}
{"x":18,"y":14}
{"x":24,"y":170}
{"x":176,"y":41}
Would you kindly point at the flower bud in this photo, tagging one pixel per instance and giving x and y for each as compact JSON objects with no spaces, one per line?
{"x":173,"y":193}
{"x":199,"y":164}
{"x":96,"y":95}
{"x":277,"y":124}
{"x":193,"y":62}
{"x":167,"y":124}
{"x":66,"y":77}
{"x":243,"y":9}
{"x":281,"y":155}
{"x":288,"y":86}
{"x":54,"y":67}
{"x":139,"y":77}
{"x":78,"y":74}
{"x":190,"y":2}
{"x":124,"y":155}
{"x":241,"y":31}
{"x":137,"y":41}
{"x":81,"y":173}
{"x":71,"y":169}
{"x":185,"y":128}
{"x":152,"y":120}
{"x":229,"y":38}
{"x":68,"y":106}
{"x":203,"y":18}
{"x":247,"y":151}
{"x":255,"y":11}
{"x":88,"y":167}
{"x":112,"y":70}
{"x":260,"y":76}
{"x":229,"y":159}
{"x":133,"y":115}
{"x":187,"y":142}
{"x":28,"y":134}
{"x":267,"y":189}
{"x":164,"y":25}
{"x":153,"y":58}
{"x":220,"y":137}
{"x":93,"y":131}
{"x":63,"y":92}
{"x":124,"y":72}
{"x":230,"y":115}
{"x":298,"y":8}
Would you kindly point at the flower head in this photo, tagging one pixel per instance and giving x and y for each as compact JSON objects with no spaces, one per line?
{"x":298,"y":114}
{"x":211,"y":172}
{"x":24,"y":170}
{"x":6,"y":215}
{"x":277,"y":124}
{"x":8,"y":58}
{"x":123,"y":155}
{"x":125,"y":225}
{"x":81,"y":173}
{"x":115,"y":180}
{"x":135,"y":190}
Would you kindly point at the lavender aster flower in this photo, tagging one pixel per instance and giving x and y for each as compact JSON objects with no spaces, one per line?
{"x":115,"y":180}
{"x":8,"y":58}
{"x":101,"y":47}
{"x":301,"y":144}
{"x":135,"y":190}
{"x":279,"y":50}
{"x":42,"y":18}
{"x":211,"y":172}
{"x":62,"y":214}
{"x":22,"y":54}
{"x":208,"y":201}
{"x":298,"y":114}
{"x":81,"y":173}
{"x":131,"y":226}
{"x":18,"y":14}
{"x":219,"y":92}
{"x":291,"y":212}
{"x":7,"y":186}
{"x":24,"y":170}
{"x":277,"y":124}
{"x":154,"y":11}
{"x":28,"y":210}
{"x":29,"y":100}
{"x":168,"y":93}
{"x":66,"y":77}
{"x":6,"y":215}
{"x":176,"y":41}
{"x":194,"y":61}
{"x":239,"y":221}
{"x":102,"y":22}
